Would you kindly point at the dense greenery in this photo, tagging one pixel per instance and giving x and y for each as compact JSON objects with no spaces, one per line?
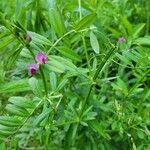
{"x":91,"y":91}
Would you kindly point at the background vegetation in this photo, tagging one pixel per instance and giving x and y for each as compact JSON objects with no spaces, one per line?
{"x":94,"y":91}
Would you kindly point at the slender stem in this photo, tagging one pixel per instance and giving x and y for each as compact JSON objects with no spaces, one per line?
{"x":103,"y":63}
{"x":148,"y":17}
{"x":80,"y":12}
{"x":85,"y":100}
{"x":59,"y":40}
{"x":44,"y":80}
{"x":100,"y":67}
{"x":83,"y":39}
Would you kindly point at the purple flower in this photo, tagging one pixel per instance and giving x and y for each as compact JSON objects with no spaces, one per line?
{"x":32,"y":68}
{"x":121,"y":40}
{"x":41,"y":58}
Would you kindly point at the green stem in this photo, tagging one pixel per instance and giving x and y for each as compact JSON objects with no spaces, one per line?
{"x":59,"y":41}
{"x":103,"y":63}
{"x":70,"y":32}
{"x":44,"y":80}
{"x":148,"y":17}
{"x":100,"y":67}
{"x":80,"y":12}
{"x":83,"y":39}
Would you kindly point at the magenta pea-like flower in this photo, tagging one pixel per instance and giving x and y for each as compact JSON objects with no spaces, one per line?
{"x":121,"y":40}
{"x":41,"y":58}
{"x":32,"y":68}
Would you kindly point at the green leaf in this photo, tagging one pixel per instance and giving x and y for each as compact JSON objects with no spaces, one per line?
{"x":39,"y":39}
{"x":68,"y":53}
{"x":60,"y":64}
{"x":124,"y":59}
{"x":99,"y":129}
{"x":3,"y":146}
{"x":83,"y":123}
{"x":42,"y":116}
{"x":85,"y":22}
{"x":88,"y":114}
{"x":114,"y":32}
{"x":65,"y":62}
{"x":121,"y":86}
{"x":17,"y":110}
{"x":3,"y":20}
{"x":19,"y":7}
{"x":86,"y":111}
{"x":10,"y":121}
{"x":55,"y":66}
{"x":4,"y":32}
{"x":94,"y":42}
{"x":13,"y":55}
{"x":137,"y":29}
{"x":145,"y":41}
{"x":127,"y":24}
{"x":140,"y":134}
{"x":56,"y":21}
{"x":53,"y":81}
{"x":35,"y":86}
{"x":21,"y":102}
{"x":36,"y":46}
{"x":62,"y":84}
{"x":15,"y":86}
{"x":5,"y":42}
{"x":5,"y":131}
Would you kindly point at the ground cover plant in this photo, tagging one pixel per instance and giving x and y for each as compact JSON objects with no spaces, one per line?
{"x":75,"y":74}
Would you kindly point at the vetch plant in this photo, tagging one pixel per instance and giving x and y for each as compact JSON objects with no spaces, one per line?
{"x":85,"y":87}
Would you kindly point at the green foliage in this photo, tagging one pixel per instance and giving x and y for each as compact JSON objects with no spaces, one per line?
{"x":93,"y":93}
{"x":94,"y":42}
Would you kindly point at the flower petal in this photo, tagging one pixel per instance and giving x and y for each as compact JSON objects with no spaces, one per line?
{"x":41,"y":58}
{"x":32,"y":68}
{"x":121,"y":40}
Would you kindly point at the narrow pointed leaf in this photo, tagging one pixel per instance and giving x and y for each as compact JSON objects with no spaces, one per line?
{"x":85,"y":22}
{"x":94,"y":43}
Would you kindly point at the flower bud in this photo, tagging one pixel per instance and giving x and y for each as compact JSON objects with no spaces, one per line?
{"x":32,"y":69}
{"x":121,"y":40}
